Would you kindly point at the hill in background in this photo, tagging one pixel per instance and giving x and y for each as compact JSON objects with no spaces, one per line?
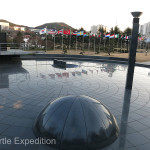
{"x":55,"y":25}
{"x":11,"y":24}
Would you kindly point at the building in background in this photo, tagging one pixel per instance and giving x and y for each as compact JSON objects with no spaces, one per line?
{"x":145,"y":29}
{"x":95,"y":28}
{"x":4,"y":25}
{"x":19,"y":28}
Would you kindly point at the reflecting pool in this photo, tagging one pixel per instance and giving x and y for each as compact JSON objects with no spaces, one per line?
{"x":27,"y":87}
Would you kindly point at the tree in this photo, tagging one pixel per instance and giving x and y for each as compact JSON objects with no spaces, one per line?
{"x":102,"y":31}
{"x":82,"y":29}
{"x":127,"y":31}
{"x":19,"y":37}
{"x":116,"y":30}
{"x":112,"y":31}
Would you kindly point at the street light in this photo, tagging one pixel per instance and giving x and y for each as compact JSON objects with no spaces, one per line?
{"x":133,"y":47}
{"x":129,"y":81}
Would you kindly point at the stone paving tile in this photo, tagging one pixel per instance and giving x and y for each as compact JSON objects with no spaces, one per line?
{"x":3,"y":127}
{"x":137,"y":139}
{"x":144,"y":147}
{"x":30,"y":88}
{"x":137,"y":126}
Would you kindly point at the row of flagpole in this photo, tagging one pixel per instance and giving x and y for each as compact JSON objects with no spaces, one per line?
{"x":83,"y":41}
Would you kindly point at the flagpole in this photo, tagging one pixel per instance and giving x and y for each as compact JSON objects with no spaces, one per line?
{"x":113,"y":43}
{"x":109,"y":46}
{"x":46,"y":38}
{"x":104,"y":43}
{"x":89,"y":44}
{"x":94,"y":42}
{"x":99,"y":42}
{"x":54,"y":41}
{"x":83,"y":42}
{"x":76,"y":42}
{"x":118,"y":42}
{"x":62,"y":38}
{"x":121,"y":45}
{"x":70,"y":40}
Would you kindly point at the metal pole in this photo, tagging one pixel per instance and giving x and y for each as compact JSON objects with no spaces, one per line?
{"x":133,"y":47}
{"x":128,"y":89}
{"x":89,"y":44}
{"x":36,"y":40}
{"x":99,"y":42}
{"x":46,"y":38}
{"x":76,"y":42}
{"x":124,"y":119}
{"x":62,"y":39}
{"x":109,"y":47}
{"x":83,"y":42}
{"x":70,"y":39}
{"x":94,"y":43}
{"x":54,"y":41}
{"x":118,"y":42}
{"x":104,"y":44}
{"x":121,"y":46}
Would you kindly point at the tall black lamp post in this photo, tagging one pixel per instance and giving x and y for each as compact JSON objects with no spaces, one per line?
{"x":133,"y":47}
{"x":129,"y":81}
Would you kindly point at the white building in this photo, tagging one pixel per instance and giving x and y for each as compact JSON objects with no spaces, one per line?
{"x":19,"y":28}
{"x":4,"y":25}
{"x":95,"y":28}
{"x":145,"y":29}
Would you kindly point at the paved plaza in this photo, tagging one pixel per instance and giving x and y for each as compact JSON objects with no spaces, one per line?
{"x":27,"y":87}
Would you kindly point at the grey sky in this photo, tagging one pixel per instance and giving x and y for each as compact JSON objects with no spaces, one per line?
{"x":76,"y":13}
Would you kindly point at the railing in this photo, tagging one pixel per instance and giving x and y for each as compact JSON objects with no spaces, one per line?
{"x":9,"y":46}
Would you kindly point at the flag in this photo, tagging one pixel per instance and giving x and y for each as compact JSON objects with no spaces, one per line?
{"x":93,"y":35}
{"x":74,"y":33}
{"x":112,"y":36}
{"x":84,"y":71}
{"x":107,"y":35}
{"x":79,"y":33}
{"x":73,"y":73}
{"x":52,"y":31}
{"x":126,"y":37}
{"x":43,"y":31}
{"x":52,"y":76}
{"x":65,"y":74}
{"x":140,"y":38}
{"x":67,"y":32}
{"x":86,"y":34}
{"x":59,"y":75}
{"x":78,"y":73}
{"x":60,"y":31}
{"x":116,"y":35}
{"x":42,"y":76}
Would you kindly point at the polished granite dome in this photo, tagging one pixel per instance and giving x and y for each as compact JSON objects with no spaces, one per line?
{"x":77,"y":123}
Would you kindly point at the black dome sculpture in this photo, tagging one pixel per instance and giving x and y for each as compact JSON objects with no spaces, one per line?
{"x":77,"y":123}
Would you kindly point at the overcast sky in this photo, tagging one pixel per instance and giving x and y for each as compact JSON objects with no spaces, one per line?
{"x":77,"y":13}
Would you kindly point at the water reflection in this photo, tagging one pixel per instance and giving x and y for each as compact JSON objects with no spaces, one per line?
{"x":124,"y":119}
{"x":10,"y":69}
{"x":109,"y":68}
{"x":84,"y":69}
{"x":17,"y":105}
